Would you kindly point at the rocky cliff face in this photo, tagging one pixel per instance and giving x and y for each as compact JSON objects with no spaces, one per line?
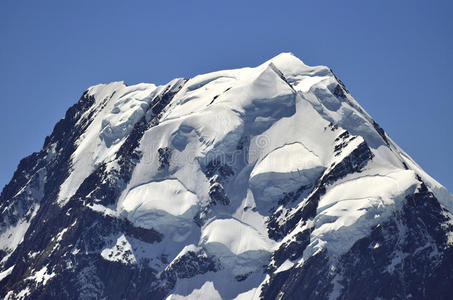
{"x":257,"y":183}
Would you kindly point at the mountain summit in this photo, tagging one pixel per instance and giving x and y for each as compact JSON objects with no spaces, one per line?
{"x":269,"y":182}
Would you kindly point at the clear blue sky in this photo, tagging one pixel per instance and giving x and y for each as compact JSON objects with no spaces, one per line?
{"x":396,"y":58}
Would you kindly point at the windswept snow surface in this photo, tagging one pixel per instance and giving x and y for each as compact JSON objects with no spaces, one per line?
{"x":166,"y":206}
{"x":237,"y":142}
{"x":284,"y":169}
{"x":350,"y":207}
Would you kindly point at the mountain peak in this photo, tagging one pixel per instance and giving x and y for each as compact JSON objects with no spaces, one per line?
{"x":288,"y":63}
{"x":255,"y":183}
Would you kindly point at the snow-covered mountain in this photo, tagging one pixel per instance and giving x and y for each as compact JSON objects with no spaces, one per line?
{"x":257,"y":183}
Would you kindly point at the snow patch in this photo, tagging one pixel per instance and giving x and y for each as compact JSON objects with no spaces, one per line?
{"x":206,"y":292}
{"x":249,"y":295}
{"x":284,"y":266}
{"x":121,"y":252}
{"x":14,"y":235}
{"x":42,"y":276}
{"x":6,"y":273}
